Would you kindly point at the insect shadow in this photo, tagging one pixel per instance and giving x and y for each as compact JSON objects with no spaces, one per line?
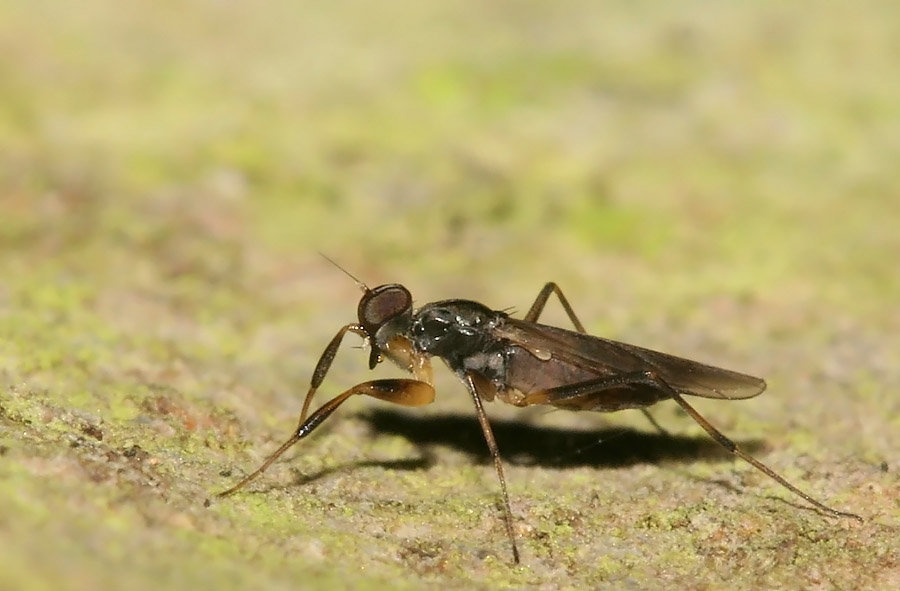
{"x":549,"y":447}
{"x":528,"y":445}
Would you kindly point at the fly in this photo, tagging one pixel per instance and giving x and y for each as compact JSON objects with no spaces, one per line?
{"x":522,"y":363}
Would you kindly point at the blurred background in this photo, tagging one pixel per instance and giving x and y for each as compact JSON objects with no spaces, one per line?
{"x":717,"y":180}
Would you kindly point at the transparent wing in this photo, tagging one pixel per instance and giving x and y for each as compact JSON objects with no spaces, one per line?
{"x":603,"y":357}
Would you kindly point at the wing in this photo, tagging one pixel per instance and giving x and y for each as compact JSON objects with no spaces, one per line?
{"x":600,"y":357}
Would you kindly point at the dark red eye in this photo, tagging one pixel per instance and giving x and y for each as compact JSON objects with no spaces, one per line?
{"x":383,"y":304}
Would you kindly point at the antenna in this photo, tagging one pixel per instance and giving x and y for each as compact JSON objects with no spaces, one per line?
{"x":359,"y":283}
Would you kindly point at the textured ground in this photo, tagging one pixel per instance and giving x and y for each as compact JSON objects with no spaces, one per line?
{"x":718,"y":180}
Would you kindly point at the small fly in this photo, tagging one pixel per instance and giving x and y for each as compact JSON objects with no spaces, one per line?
{"x":522,"y":363}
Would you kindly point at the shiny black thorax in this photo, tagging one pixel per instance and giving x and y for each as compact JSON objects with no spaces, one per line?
{"x":462,"y":333}
{"x":453,"y":329}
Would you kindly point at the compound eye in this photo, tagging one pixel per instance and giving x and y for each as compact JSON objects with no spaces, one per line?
{"x":383,"y":304}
